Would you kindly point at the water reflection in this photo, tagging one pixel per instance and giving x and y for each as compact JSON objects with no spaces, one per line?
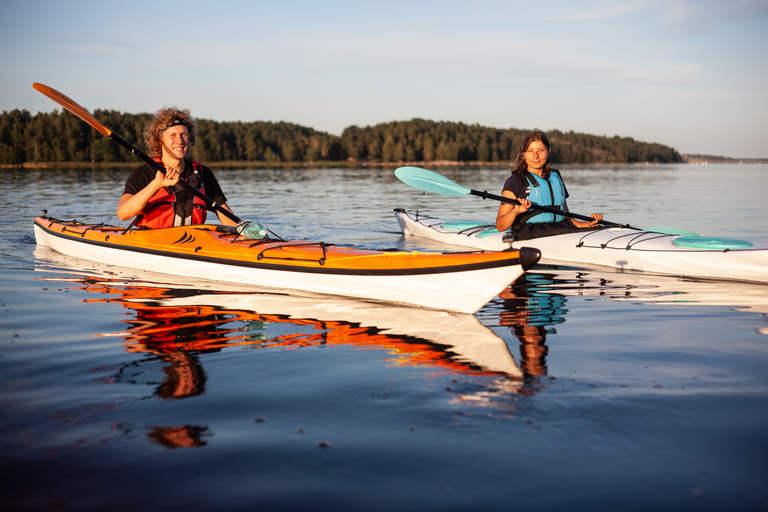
{"x":531,"y":313}
{"x":176,"y":325}
{"x":537,"y":301}
{"x":530,"y":310}
{"x":638,"y":287}
{"x":179,"y":325}
{"x":185,"y":436}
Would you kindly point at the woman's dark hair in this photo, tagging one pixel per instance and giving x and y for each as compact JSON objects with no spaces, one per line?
{"x":520,"y":165}
{"x":164,"y":119}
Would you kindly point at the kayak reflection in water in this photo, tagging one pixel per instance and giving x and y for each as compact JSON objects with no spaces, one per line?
{"x":156,"y":199}
{"x":531,"y":311}
{"x":184,"y":436}
{"x":178,"y":327}
{"x":532,"y":181}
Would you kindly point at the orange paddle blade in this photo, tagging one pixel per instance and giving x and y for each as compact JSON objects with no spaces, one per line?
{"x":72,"y":106}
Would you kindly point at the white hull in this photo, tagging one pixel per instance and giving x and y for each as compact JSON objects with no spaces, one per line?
{"x":462,"y":337}
{"x":622,"y":248}
{"x":461,"y":292}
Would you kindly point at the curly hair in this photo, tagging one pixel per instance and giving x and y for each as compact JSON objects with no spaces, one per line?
{"x":164,"y":119}
{"x":520,"y":166}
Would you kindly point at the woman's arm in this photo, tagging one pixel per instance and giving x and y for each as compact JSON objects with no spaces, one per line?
{"x":509,"y":212}
{"x":596,"y":217}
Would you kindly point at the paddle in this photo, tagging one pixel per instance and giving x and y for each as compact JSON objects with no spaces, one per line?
{"x":83,"y":114}
{"x":439,"y":184}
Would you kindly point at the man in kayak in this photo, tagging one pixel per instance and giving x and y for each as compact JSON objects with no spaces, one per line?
{"x":156,"y":198}
{"x":533,"y":181}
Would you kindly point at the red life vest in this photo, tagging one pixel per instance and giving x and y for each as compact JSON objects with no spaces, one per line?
{"x":161,"y":210}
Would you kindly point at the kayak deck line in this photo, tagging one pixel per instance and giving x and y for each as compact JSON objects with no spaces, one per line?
{"x":646,"y":236}
{"x":469,"y":231}
{"x":635,"y":236}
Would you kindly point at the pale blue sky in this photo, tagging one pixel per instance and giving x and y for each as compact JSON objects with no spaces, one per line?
{"x":692,"y":74}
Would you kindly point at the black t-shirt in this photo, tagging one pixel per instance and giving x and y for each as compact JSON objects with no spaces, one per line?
{"x":143,"y":176}
{"x":517,"y":185}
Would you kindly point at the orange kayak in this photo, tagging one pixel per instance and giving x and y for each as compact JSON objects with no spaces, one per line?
{"x":462,"y":282}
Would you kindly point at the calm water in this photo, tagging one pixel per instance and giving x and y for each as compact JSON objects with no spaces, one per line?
{"x":575,"y":389}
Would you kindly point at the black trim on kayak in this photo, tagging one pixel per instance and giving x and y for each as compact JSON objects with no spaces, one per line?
{"x":76,"y":237}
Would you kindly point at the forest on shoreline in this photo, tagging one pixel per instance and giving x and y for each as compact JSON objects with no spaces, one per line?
{"x":59,"y":137}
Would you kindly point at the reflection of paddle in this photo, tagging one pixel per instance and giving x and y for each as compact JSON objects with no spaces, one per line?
{"x":83,"y":114}
{"x":439,"y":184}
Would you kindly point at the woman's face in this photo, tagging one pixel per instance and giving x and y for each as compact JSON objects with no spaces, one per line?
{"x":176,"y":141}
{"x":536,"y":156}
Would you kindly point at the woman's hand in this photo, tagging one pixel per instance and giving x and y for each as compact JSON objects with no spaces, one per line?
{"x":597,"y":217}
{"x":523,"y":207}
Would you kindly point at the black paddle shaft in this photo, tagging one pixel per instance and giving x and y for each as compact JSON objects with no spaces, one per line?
{"x":485,"y":195}
{"x":213,"y":205}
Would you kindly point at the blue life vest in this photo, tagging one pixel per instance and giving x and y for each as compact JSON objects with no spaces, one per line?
{"x":543,"y":192}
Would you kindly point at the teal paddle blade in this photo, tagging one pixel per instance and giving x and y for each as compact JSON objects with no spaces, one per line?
{"x":430,"y":181}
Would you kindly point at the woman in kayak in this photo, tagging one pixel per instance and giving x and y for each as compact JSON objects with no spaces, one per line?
{"x":533,"y":181}
{"x":156,"y":198}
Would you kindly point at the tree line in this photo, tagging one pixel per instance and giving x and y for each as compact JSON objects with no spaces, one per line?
{"x":62,"y":137}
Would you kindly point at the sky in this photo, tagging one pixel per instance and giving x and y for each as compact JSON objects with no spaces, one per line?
{"x":690,"y":74}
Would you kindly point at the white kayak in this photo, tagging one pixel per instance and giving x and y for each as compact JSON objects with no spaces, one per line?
{"x":659,"y":252}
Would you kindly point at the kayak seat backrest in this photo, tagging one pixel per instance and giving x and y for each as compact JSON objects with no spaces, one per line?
{"x":715,"y":244}
{"x":488,"y":232}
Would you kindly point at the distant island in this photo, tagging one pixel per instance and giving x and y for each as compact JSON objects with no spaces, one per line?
{"x":60,"y":137}
{"x":710,"y":159}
